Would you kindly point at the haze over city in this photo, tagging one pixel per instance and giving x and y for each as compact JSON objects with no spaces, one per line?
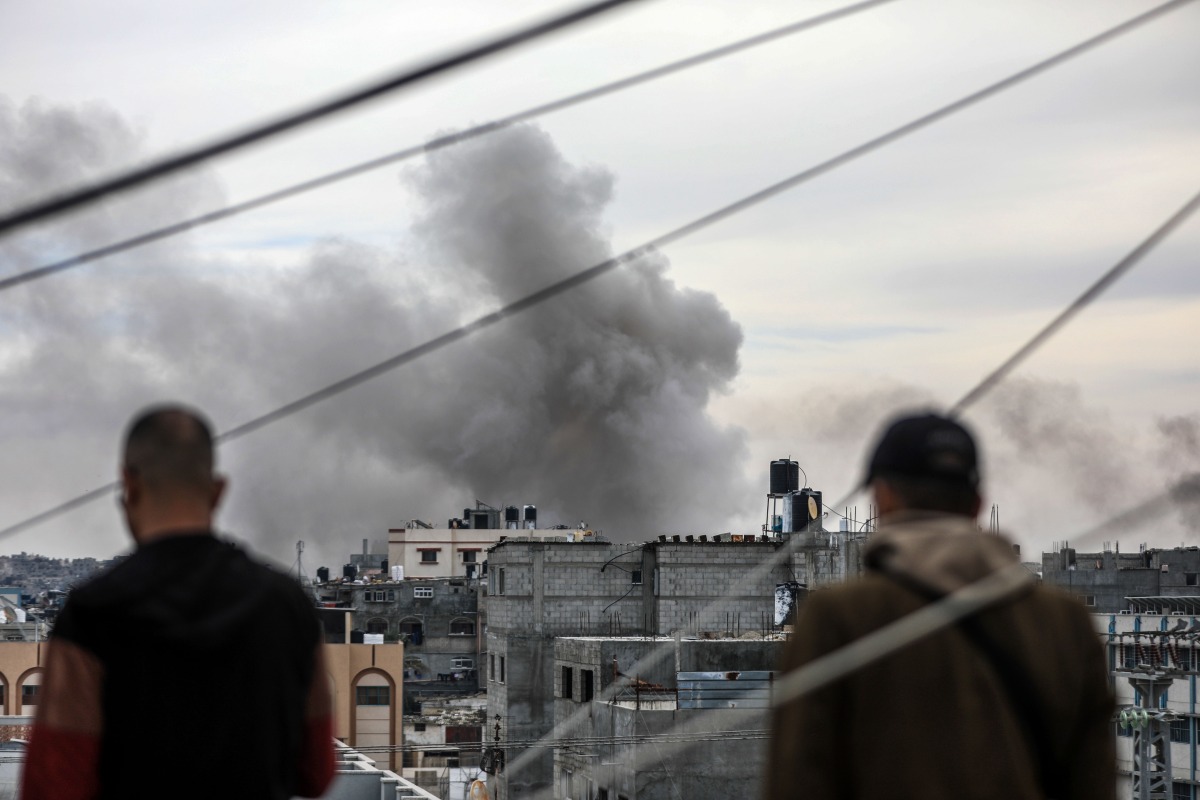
{"x":652,"y":400}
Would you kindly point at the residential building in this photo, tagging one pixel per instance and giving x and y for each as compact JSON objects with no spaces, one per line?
{"x":706,"y":687}
{"x":539,"y":590}
{"x":442,"y":744}
{"x":1145,"y":644}
{"x":1104,"y":580}
{"x":436,"y":619}
{"x":366,"y":681}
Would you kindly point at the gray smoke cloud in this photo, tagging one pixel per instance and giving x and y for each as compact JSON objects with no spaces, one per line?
{"x":593,"y":407}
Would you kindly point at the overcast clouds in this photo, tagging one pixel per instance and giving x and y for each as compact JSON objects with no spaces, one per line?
{"x":901,"y":279}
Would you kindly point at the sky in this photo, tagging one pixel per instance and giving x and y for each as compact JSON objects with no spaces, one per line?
{"x":652,"y":400}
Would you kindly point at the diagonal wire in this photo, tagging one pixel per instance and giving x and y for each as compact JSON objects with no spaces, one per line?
{"x":983,"y":593}
{"x":1081,"y":302}
{"x":157,"y":169}
{"x":591,"y":273}
{"x":437,"y":143}
{"x":1187,"y":490}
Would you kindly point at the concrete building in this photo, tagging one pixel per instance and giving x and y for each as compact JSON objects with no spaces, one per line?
{"x":436,"y":619}
{"x":1105,"y":579}
{"x":366,"y":682}
{"x":540,"y":590}
{"x":424,"y":550}
{"x":624,"y":756}
{"x":1161,"y":647}
{"x":442,"y":744}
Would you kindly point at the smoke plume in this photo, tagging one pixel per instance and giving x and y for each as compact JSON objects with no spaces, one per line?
{"x":593,"y":406}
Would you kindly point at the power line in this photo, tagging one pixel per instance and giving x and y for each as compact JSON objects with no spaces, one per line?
{"x":591,"y":273}
{"x":392,"y":83}
{"x":1091,"y":293}
{"x":437,"y":143}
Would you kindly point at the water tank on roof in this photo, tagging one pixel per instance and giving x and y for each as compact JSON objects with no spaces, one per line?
{"x":349,"y":572}
{"x":512,"y":517}
{"x":806,"y":510}
{"x":530,"y":517}
{"x":322,"y":574}
{"x":785,"y":476}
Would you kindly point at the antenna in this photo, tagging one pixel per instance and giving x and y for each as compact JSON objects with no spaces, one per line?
{"x":300,"y":576}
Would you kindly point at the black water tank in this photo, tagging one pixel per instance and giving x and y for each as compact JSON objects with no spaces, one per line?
{"x":349,"y":572}
{"x":806,"y":515}
{"x":785,"y":476}
{"x":322,"y":574}
{"x":512,"y":514}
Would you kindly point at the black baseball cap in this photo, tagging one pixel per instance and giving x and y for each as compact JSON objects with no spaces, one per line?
{"x":926,"y":446}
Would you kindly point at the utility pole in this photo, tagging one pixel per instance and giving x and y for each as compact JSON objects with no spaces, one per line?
{"x":1151,"y":735}
{"x":300,"y":576}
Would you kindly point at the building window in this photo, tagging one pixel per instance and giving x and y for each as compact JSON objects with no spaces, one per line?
{"x":1089,"y":600}
{"x":636,"y":577}
{"x":377,"y":625}
{"x":428,"y":556}
{"x":410,"y":759}
{"x":422,"y":592}
{"x":1130,"y":659}
{"x":502,"y":669}
{"x":1181,"y":730}
{"x":491,"y":667}
{"x":29,"y":694}
{"x":373,"y":695}
{"x":1190,"y":578}
{"x":500,"y":581}
{"x":1181,"y":791}
{"x":587,"y":685}
{"x":462,"y":663}
{"x":568,"y":683}
{"x":462,"y":627}
{"x":419,"y":727}
{"x":412,"y":630}
{"x":470,"y":556}
{"x":380,"y":596}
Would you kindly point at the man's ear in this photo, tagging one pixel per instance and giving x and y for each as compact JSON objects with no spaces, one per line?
{"x":131,"y":486}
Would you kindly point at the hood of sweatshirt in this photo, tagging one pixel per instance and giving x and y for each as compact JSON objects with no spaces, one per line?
{"x":943,"y":552}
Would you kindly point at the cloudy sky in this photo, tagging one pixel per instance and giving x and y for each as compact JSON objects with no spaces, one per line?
{"x":653,"y":400}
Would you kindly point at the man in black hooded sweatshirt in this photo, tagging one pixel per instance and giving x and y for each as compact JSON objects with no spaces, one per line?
{"x":188,"y":668}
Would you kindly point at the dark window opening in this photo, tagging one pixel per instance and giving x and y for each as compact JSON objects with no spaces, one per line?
{"x":373,"y":695}
{"x":29,"y":694}
{"x":462,"y":627}
{"x":429,"y":556}
{"x":469,"y":556}
{"x":418,"y":726}
{"x":568,"y":683}
{"x":377,"y":625}
{"x":587,"y":684}
{"x":1190,"y":578}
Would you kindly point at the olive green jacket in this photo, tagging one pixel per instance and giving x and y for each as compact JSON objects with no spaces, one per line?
{"x":935,"y":721}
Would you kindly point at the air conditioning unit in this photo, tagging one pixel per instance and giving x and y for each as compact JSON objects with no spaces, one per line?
{"x":1151,"y":613}
{"x":1125,"y":612}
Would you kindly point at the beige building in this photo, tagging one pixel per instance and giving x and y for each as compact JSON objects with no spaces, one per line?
{"x":366,"y":681}
{"x":441,"y":552}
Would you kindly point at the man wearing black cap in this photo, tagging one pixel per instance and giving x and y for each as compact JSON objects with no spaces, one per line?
{"x":1012,"y":702}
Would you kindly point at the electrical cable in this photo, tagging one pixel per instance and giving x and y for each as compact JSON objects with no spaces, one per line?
{"x":591,"y":273}
{"x":407,"y":77}
{"x":437,"y":143}
{"x":1189,"y":488}
{"x":1091,"y":293}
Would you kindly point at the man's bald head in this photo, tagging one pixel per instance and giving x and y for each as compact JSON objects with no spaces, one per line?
{"x":170,"y":449}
